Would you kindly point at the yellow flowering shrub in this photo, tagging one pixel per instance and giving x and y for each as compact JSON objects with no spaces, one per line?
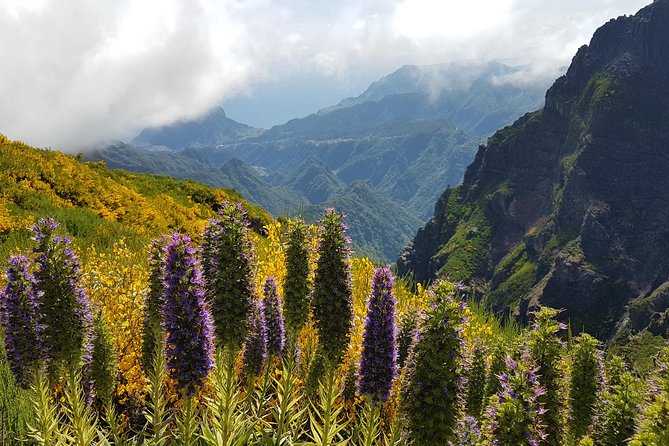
{"x":270,"y":257}
{"x":6,"y":223}
{"x":117,"y":283}
{"x":100,"y":205}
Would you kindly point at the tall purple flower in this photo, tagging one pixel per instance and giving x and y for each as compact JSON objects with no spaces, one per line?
{"x":19,"y":317}
{"x":273,"y":313}
{"x":65,"y":311}
{"x":186,"y":318}
{"x":255,"y":345}
{"x":379,"y":349}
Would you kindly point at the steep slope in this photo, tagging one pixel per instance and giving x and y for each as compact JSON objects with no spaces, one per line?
{"x":314,"y":180}
{"x":118,"y":155}
{"x":569,"y":207}
{"x":96,"y":204}
{"x":378,"y":227}
{"x":250,"y":182}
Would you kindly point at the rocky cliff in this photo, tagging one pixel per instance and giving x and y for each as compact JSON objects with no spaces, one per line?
{"x":569,"y":206}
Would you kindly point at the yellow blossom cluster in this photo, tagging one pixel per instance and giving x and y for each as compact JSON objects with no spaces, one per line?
{"x":117,"y":284}
{"x":270,"y":256}
{"x":96,"y":203}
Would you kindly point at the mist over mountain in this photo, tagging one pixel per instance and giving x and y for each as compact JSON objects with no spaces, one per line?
{"x":211,"y":129}
{"x":569,"y":206}
{"x":408,"y":136}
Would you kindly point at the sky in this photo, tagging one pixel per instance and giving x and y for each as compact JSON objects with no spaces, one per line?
{"x":78,"y":72}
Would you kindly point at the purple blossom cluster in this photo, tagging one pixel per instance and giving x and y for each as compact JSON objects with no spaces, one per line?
{"x":515,"y":415}
{"x":273,"y":314}
{"x":379,"y":350}
{"x":66,"y":316}
{"x":468,"y":432}
{"x":255,"y":345}
{"x":187,"y":322}
{"x":19,"y":318}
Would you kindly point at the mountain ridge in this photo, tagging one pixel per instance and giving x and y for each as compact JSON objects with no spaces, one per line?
{"x":405,"y":145}
{"x":567,"y":207}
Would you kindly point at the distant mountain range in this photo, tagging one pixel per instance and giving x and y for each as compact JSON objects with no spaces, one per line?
{"x":394,"y":148}
{"x":569,"y":207}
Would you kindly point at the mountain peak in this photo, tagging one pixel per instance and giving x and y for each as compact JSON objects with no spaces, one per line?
{"x":210,"y":129}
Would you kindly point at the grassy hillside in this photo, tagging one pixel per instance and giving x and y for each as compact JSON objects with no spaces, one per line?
{"x":95,"y":204}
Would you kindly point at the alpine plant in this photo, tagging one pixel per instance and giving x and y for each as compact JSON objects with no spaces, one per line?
{"x":273,"y":314}
{"x":66,"y":318}
{"x":513,"y":417}
{"x":547,"y":349}
{"x":585,"y":383}
{"x":332,"y":301}
{"x":228,"y":267}
{"x":432,"y":380}
{"x":103,"y":360}
{"x":255,"y":345}
{"x":296,"y":286}
{"x":379,"y":350}
{"x":653,"y":426}
{"x":186,"y":319}
{"x":406,"y":335}
{"x":476,"y":380}
{"x":19,"y":319}
{"x":152,"y":340}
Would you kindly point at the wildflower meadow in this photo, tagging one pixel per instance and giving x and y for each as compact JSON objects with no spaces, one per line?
{"x":233,"y":338}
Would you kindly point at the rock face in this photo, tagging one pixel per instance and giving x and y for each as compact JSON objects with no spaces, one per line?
{"x":569,"y":206}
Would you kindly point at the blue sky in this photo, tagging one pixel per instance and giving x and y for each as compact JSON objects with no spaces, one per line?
{"x":78,"y":71}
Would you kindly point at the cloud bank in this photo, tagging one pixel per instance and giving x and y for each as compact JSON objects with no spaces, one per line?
{"x":75,"y":72}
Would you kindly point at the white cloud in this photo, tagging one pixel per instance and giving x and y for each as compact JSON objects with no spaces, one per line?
{"x":449,"y":19}
{"x":76,"y":71}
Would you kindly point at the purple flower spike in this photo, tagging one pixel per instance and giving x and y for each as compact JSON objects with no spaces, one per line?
{"x":255,"y":346}
{"x":379,"y":350}
{"x":273,"y":318}
{"x":19,"y":317}
{"x":65,"y":311}
{"x":187,"y":321}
